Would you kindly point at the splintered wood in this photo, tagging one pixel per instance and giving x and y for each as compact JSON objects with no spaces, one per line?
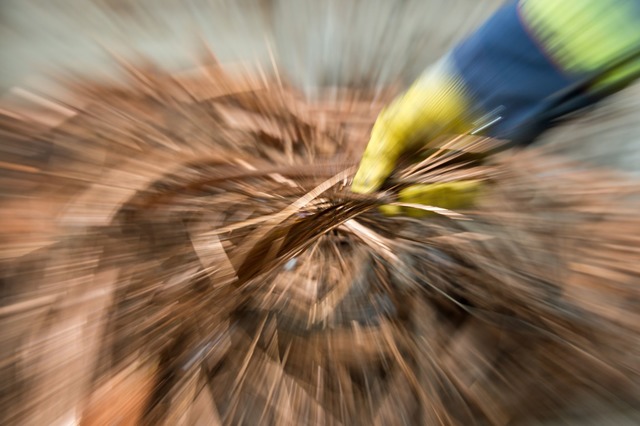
{"x":186,"y":250}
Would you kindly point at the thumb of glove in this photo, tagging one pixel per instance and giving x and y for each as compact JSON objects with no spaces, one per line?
{"x":448,"y":195}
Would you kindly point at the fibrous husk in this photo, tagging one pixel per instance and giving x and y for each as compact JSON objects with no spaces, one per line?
{"x":191,"y":241}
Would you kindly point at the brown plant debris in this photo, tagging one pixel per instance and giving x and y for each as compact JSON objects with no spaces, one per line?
{"x":186,"y":250}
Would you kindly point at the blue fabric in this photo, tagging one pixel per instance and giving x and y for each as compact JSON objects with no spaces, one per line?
{"x":508,"y":75}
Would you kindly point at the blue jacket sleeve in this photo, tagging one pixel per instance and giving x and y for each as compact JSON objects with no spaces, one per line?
{"x":512,"y":77}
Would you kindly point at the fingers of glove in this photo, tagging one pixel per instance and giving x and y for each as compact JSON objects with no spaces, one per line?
{"x":371,"y":174}
{"x":449,"y":195}
{"x":390,"y":138}
{"x":383,"y":150}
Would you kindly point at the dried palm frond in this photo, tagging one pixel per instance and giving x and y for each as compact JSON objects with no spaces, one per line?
{"x":201,"y":253}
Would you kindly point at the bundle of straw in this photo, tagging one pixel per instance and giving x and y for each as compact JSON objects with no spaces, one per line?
{"x":199,"y":259}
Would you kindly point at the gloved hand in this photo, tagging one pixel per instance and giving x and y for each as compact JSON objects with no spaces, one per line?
{"x":434,"y":105}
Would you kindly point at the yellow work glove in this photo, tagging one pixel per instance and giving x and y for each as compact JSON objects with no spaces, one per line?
{"x":434,"y":105}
